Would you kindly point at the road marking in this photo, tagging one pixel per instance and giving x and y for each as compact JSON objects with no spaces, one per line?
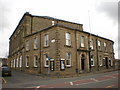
{"x":94,"y":79}
{"x":113,"y":85}
{"x":71,"y":83}
{"x":38,"y":87}
{"x":4,"y":80}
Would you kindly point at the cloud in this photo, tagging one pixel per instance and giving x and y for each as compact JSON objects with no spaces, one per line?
{"x":4,"y":23}
{"x":110,"y":8}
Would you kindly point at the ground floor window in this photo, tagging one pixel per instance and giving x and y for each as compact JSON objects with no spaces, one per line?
{"x":100,"y":61}
{"x":92,"y":60}
{"x":111,"y":62}
{"x":17,"y":62}
{"x":68,"y":59}
{"x":35,"y":61}
{"x":27,"y":61}
{"x":46,"y":60}
{"x":14,"y":63}
{"x":20,"y":63}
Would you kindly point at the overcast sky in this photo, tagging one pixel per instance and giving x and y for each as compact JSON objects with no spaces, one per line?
{"x":102,"y":14}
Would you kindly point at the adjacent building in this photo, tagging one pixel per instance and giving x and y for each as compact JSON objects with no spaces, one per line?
{"x":47,"y":45}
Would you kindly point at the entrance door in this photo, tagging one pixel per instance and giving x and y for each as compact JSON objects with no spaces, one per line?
{"x":83,"y":62}
{"x":106,"y":62}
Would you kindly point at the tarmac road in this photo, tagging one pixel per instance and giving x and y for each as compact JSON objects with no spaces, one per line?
{"x":23,"y":80}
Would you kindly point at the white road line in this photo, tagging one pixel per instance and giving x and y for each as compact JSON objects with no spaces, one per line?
{"x":38,"y":87}
{"x":94,"y":79}
{"x":93,"y":82}
{"x":71,"y":83}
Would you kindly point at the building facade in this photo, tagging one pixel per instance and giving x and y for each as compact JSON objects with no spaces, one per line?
{"x":46,"y":45}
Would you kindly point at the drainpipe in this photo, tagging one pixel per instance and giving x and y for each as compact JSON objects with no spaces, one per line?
{"x":76,"y":53}
{"x":97,"y":54}
{"x":89,"y":54}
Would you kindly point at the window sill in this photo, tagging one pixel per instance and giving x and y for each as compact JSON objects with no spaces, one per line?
{"x":46,"y":66}
{"x":27,"y":66}
{"x":46,"y":46}
{"x":68,"y":66}
{"x":35,"y":67}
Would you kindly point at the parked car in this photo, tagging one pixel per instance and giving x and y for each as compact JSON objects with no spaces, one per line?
{"x":6,"y":71}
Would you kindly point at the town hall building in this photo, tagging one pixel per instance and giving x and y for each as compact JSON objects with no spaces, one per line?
{"x":46,"y":45}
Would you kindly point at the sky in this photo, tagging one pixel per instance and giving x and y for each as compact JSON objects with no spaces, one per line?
{"x":99,"y":17}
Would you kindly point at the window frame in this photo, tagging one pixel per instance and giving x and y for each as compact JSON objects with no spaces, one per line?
{"x":91,"y":43}
{"x":100,"y":61}
{"x":36,"y":43}
{"x":46,"y":40}
{"x":99,"y":44}
{"x":20,"y":62}
{"x":27,"y":45}
{"x":82,"y":41}
{"x":36,"y":61}
{"x":68,"y":39}
{"x":92,"y":60}
{"x":46,"y":60}
{"x":27,"y":61}
{"x":68,"y":58}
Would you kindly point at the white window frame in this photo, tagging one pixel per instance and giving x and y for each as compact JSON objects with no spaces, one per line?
{"x":105,"y":45}
{"x":20,"y":62}
{"x":46,"y":40}
{"x":68,"y":58}
{"x":53,"y":23}
{"x":35,"y":61}
{"x":27,"y":61}
{"x":99,"y":44}
{"x":100,"y":61}
{"x":36,"y":43}
{"x":91,"y":43}
{"x":14,"y":63}
{"x":82,"y":41}
{"x":92,"y":60}
{"x":46,"y":60}
{"x":68,"y":39}
{"x":17,"y":61}
{"x":27,"y":45}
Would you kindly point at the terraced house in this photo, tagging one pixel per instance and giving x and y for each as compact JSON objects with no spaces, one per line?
{"x":47,"y":45}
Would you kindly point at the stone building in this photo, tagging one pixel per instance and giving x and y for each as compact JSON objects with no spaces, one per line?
{"x":47,"y":45}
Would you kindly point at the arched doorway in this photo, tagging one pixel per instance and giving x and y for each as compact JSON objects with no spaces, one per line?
{"x":82,"y":62}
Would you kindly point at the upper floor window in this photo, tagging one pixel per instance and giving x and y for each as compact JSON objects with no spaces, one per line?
{"x":105,"y":45}
{"x":35,"y":61}
{"x":99,"y":44}
{"x":46,"y":60}
{"x":53,"y":22}
{"x":91,"y":43}
{"x":46,"y":40}
{"x":27,"y":61}
{"x":36,"y":43}
{"x":68,"y":59}
{"x":68,"y":41}
{"x":82,"y":41}
{"x":92,"y":60}
{"x":27,"y":45}
{"x":100,"y":61}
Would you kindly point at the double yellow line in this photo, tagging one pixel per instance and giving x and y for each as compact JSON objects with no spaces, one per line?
{"x":3,"y":80}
